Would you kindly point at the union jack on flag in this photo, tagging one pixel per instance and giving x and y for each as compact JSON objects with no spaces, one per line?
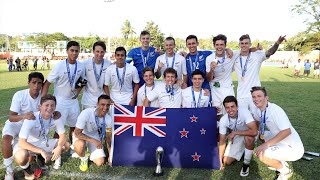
{"x":139,"y":119}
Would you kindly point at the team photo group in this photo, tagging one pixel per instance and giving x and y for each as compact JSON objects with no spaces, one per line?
{"x":146,"y":76}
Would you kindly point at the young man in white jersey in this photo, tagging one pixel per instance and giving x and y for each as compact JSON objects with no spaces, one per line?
{"x":280,"y":141}
{"x":297,"y":69}
{"x":23,"y":104}
{"x":121,"y":76}
{"x":168,"y":93}
{"x":242,"y":131}
{"x":34,"y":137}
{"x":194,"y":96}
{"x":219,"y":69}
{"x":64,"y":75}
{"x":95,"y":70}
{"x":247,"y":67}
{"x":149,"y":85}
{"x":92,"y":129}
{"x":171,"y":59}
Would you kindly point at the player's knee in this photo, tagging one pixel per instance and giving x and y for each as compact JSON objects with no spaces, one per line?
{"x":249,"y":142}
{"x":66,"y":146}
{"x":99,"y":162}
{"x":227,"y":161}
{"x":21,"y":157}
{"x":79,"y":146}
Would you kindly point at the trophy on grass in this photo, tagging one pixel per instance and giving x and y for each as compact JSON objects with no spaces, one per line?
{"x":159,"y":157}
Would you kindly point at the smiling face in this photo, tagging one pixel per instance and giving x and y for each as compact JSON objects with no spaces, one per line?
{"x":148,"y":77}
{"x":99,"y":53}
{"x":47,"y":108}
{"x":197,"y":81}
{"x":103,"y":107}
{"x":192,"y":45}
{"x":120,"y":57}
{"x":245,"y":44}
{"x":145,"y":41}
{"x":170,"y":78}
{"x":231,"y":109}
{"x":220,"y":47}
{"x":259,"y":99}
{"x":169,"y":46}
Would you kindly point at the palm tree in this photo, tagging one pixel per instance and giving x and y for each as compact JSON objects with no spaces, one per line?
{"x":127,"y":30}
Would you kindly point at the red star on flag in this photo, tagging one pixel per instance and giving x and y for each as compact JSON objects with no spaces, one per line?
{"x":203,"y":131}
{"x":193,"y":118}
{"x":184,"y":133}
{"x":196,"y":157}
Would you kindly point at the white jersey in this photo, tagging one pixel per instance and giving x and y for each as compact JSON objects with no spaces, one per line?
{"x":188,"y":101}
{"x":22,"y":103}
{"x":121,"y":95}
{"x":179,"y":65}
{"x":59,"y":76}
{"x":276,"y":121}
{"x":87,"y":122}
{"x":223,"y":70}
{"x":94,"y":88}
{"x":143,"y":92}
{"x":164,"y":97}
{"x":251,"y":77}
{"x":33,"y":132}
{"x":298,"y":66}
{"x":240,"y":123}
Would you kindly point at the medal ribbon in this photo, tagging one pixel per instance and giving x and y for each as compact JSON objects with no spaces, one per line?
{"x":95,"y":70}
{"x":235,"y":125}
{"x":263,"y":121}
{"x":71,"y":78}
{"x":102,"y":132}
{"x":145,"y":89}
{"x":121,"y":80}
{"x":43,"y":128}
{"x":172,"y":64}
{"x":196,"y":105}
{"x":145,"y":59}
{"x":244,"y":69}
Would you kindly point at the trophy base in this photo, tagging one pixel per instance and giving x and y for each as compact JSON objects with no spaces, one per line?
{"x":158,"y":174}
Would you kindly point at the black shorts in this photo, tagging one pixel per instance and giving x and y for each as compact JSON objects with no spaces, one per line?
{"x":306,"y":72}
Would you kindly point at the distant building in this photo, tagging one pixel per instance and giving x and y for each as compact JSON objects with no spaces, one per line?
{"x":58,"y":48}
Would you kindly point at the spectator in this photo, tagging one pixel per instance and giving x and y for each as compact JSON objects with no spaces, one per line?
{"x":316,"y":68}
{"x":307,"y":66}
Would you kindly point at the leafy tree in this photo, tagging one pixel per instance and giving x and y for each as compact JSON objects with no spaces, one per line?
{"x":44,"y":40}
{"x":310,"y":9}
{"x":58,"y":36}
{"x":157,"y":37}
{"x":127,"y":30}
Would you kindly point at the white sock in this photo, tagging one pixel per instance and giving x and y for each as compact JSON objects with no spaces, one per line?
{"x":57,"y":162}
{"x":25,"y":166}
{"x":285,"y":168}
{"x":84,"y":158}
{"x":8,"y":164}
{"x":247,"y":156}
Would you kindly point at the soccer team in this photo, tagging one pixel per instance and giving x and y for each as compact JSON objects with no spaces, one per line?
{"x":189,"y":80}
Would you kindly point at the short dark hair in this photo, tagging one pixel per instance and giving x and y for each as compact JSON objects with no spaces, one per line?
{"x":170,"y":39}
{"x":197,"y":72}
{"x":170,"y":71}
{"x":120,"y":49}
{"x":220,"y":37}
{"x":245,"y":36}
{"x":144,"y":32}
{"x":229,"y":99}
{"x":192,"y":37}
{"x":48,"y":97}
{"x":104,"y":96}
{"x":72,"y":43}
{"x":146,"y":69}
{"x":259,"y":88}
{"x":99,"y":43}
{"x":35,"y":75}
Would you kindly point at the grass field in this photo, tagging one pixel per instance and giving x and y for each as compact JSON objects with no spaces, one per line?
{"x":300,"y":98}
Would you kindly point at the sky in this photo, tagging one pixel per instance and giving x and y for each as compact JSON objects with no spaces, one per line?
{"x":261,"y":19}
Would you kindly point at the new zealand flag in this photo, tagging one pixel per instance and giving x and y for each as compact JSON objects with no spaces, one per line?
{"x":187,"y":135}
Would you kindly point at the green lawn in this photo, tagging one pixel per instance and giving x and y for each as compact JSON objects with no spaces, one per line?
{"x":300,"y":98}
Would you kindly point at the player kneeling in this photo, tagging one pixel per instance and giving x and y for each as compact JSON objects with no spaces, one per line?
{"x":242,"y":131}
{"x":33,"y":137}
{"x":93,"y":126}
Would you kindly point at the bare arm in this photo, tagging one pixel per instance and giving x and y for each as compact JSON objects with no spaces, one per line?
{"x":252,"y":130}
{"x":222,"y":147}
{"x":14,"y":117}
{"x":106,"y":90}
{"x":275,"y":47}
{"x":146,"y":102}
{"x":58,"y":149}
{"x":25,"y":145}
{"x":135,"y":92}
{"x":78,"y":133}
{"x":209,"y":75}
{"x":45,"y":88}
